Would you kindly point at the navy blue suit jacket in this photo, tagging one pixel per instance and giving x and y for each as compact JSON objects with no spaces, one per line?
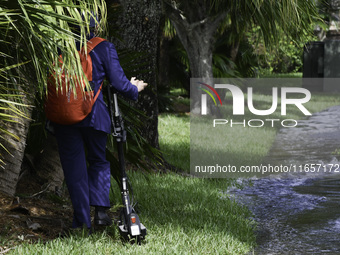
{"x":106,"y":64}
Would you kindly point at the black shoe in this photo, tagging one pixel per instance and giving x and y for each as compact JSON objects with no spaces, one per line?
{"x":101,"y":218}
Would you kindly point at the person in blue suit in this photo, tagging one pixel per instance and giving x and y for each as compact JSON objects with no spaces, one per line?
{"x":87,"y":175}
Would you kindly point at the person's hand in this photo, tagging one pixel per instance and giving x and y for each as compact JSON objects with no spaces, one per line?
{"x":138,"y":83}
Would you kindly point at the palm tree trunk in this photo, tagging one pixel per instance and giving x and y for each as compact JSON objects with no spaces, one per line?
{"x":9,"y":175}
{"x":48,"y":166}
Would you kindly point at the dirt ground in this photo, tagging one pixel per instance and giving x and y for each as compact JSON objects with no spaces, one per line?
{"x":35,"y":214}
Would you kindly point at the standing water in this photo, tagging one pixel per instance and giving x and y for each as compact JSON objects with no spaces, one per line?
{"x":299,"y":213}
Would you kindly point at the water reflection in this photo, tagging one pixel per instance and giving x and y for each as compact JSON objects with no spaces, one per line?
{"x":294,"y":215}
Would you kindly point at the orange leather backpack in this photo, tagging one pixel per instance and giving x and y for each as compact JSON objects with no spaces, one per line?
{"x":62,"y":105}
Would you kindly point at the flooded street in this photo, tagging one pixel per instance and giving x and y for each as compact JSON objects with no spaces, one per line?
{"x":299,"y":213}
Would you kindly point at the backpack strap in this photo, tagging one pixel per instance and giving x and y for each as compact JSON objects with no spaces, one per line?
{"x":100,"y":89}
{"x":92,"y":43}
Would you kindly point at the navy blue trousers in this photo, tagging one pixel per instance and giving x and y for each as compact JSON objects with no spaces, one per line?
{"x":87,"y":175}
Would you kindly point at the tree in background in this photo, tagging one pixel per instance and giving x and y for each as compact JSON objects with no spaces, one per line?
{"x":198,"y":22}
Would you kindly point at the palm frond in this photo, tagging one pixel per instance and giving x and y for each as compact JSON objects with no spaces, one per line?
{"x":31,"y":32}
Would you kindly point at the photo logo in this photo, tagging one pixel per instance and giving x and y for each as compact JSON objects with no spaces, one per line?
{"x":204,"y":97}
{"x":239,"y":99}
{"x":235,"y":121}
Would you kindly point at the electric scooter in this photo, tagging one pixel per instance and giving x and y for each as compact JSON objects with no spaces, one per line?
{"x":129,"y":225}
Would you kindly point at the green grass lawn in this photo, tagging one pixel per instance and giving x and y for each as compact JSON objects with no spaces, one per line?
{"x":174,"y":139}
{"x":183,"y":216}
